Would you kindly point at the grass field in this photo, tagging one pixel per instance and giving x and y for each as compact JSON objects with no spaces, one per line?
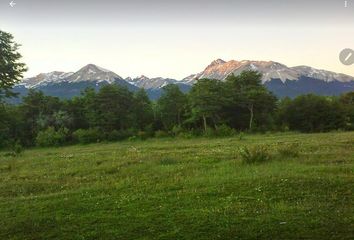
{"x":181,"y":189}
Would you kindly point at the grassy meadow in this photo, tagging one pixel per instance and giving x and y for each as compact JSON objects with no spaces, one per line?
{"x":182,"y":189}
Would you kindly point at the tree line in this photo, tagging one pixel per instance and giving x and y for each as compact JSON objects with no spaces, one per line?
{"x":211,"y":108}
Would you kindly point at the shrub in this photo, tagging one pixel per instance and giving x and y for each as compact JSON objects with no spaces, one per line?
{"x":149,"y":130}
{"x":220,"y":131}
{"x":17,"y":148}
{"x":256,"y":154}
{"x":142,"y":135}
{"x":288,"y":150}
{"x":185,"y":135}
{"x":132,"y":138}
{"x":85,"y":136}
{"x":161,"y":134}
{"x":241,"y":136}
{"x":176,"y":130}
{"x":196,"y":132}
{"x":209,"y":132}
{"x":113,"y":135}
{"x":4,"y":142}
{"x":9,"y":154}
{"x":225,"y":131}
{"x":50,"y":137}
{"x":118,"y":135}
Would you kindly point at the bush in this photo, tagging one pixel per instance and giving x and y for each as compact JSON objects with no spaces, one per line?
{"x":113,"y":136}
{"x":12,"y":145}
{"x":185,"y":135}
{"x":118,"y":135}
{"x":176,"y":130}
{"x":225,"y":131}
{"x":241,"y":136}
{"x":17,"y":148}
{"x":161,"y":134}
{"x":288,"y":150}
{"x":85,"y":136}
{"x":209,"y":132}
{"x":180,"y":132}
{"x":132,"y":138}
{"x":149,"y":130}
{"x":196,"y":132}
{"x":220,"y":131}
{"x":257,"y":154}
{"x":142,"y":135}
{"x":50,"y":137}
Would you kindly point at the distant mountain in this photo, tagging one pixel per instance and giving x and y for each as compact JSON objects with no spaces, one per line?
{"x":280,"y":79}
{"x":92,"y":72}
{"x":45,"y":78}
{"x":68,"y":85}
{"x":220,"y":69}
{"x":89,"y":72}
{"x":151,"y":83}
{"x":327,"y":76}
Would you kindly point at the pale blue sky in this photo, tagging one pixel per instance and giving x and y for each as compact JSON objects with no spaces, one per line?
{"x":177,"y":38}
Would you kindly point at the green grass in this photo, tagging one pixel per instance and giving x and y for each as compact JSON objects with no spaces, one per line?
{"x":181,"y":189}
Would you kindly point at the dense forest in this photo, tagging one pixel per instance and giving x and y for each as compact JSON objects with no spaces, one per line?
{"x":211,"y":108}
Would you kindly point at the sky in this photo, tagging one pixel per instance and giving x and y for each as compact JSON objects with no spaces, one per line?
{"x":165,"y":38}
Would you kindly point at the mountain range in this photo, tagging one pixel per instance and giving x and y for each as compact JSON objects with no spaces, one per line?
{"x":281,"y":80}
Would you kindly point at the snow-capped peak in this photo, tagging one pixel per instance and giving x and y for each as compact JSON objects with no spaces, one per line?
{"x":220,"y":69}
{"x":93,"y":72}
{"x":90,"y":72}
{"x":217,"y":62}
{"x":324,"y":75}
{"x":150,"y":83}
{"x":45,"y":78}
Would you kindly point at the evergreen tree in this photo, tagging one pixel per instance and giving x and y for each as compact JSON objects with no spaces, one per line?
{"x":11,"y":69}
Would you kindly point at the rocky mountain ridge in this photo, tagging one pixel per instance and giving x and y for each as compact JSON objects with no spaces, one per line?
{"x":278,"y":78}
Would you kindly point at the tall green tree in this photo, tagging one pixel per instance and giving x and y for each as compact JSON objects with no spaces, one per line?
{"x":89,"y":101}
{"x":281,"y":112}
{"x":11,"y":69}
{"x":247,"y":93}
{"x":75,"y":109}
{"x":207,"y":100}
{"x":82,"y":110}
{"x":347,"y":102}
{"x":38,"y":113}
{"x":143,"y":111}
{"x":311,"y":113}
{"x":171,"y":106}
{"x":11,"y":125}
{"x":114,"y":108}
